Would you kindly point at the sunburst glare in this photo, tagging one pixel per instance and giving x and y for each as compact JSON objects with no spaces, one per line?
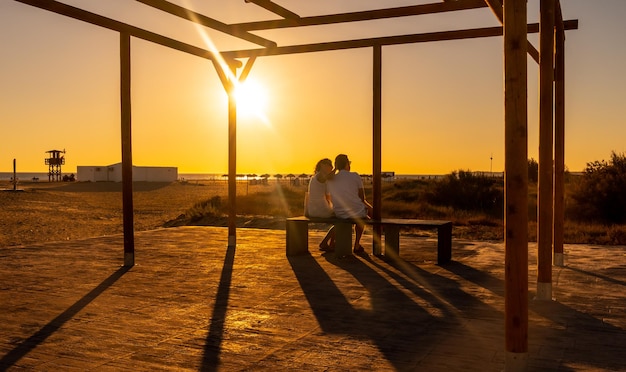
{"x":252,"y":100}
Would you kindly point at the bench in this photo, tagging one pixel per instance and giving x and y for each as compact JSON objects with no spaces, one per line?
{"x":298,"y":235}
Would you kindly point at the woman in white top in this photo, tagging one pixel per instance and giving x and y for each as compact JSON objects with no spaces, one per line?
{"x":318,"y":203}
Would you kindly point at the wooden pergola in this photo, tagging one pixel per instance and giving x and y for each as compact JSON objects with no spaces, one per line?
{"x":512,"y":14}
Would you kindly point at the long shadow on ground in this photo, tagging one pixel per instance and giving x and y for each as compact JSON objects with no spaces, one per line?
{"x":384,"y":314}
{"x":49,"y":329}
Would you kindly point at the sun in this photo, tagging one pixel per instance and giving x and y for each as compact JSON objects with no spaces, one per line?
{"x":252,"y":100}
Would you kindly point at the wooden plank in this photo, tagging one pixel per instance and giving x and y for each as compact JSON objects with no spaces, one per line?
{"x":383,"y":221}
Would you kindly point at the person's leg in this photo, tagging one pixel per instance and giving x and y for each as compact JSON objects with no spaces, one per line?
{"x":358,"y":229}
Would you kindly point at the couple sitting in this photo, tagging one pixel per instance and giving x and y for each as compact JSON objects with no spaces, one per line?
{"x":337,"y":193}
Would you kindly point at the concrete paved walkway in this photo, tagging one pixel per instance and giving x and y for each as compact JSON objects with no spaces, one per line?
{"x":192,"y":304}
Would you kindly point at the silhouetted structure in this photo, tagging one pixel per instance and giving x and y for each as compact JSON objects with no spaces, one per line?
{"x":511,"y":14}
{"x":54,"y":163}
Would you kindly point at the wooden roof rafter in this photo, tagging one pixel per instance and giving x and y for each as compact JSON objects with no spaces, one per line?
{"x":275,"y":8}
{"x":114,"y":25}
{"x":203,"y":20}
{"x":496,"y":7}
{"x":388,"y":40}
{"x":366,"y":15}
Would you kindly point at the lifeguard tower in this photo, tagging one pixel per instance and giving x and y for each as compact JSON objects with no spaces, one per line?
{"x":54,"y":162}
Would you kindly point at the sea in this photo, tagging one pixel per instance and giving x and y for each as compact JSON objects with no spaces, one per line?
{"x":43,"y":176}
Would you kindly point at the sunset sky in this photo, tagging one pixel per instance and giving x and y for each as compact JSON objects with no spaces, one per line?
{"x":442,"y":102}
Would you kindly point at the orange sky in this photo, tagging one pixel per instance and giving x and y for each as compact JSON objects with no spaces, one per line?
{"x":442,"y":102}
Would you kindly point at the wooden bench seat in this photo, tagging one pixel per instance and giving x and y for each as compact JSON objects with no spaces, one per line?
{"x":298,"y":234}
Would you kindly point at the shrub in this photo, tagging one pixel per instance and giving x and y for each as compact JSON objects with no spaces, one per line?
{"x":210,"y":207}
{"x":466,"y":191}
{"x":533,"y":170}
{"x":600,"y":196}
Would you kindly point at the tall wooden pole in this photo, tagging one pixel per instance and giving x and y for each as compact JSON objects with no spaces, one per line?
{"x":516,"y":185}
{"x":545,"y":201}
{"x":232,"y":159}
{"x":377,"y":147}
{"x":559,"y":148}
{"x":127,"y":153}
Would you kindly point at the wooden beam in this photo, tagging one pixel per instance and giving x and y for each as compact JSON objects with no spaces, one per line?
{"x":246,"y":69}
{"x":546,"y":139}
{"x":203,"y":20}
{"x":389,"y":40}
{"x":559,"y":148}
{"x":111,"y":24}
{"x":232,"y":161}
{"x":516,"y":185}
{"x":275,"y":8}
{"x":558,"y":17}
{"x":377,"y":146}
{"x":367,"y":15}
{"x":496,"y":7}
{"x":127,"y":151}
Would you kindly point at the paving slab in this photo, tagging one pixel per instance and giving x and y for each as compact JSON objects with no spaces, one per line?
{"x":192,"y":303}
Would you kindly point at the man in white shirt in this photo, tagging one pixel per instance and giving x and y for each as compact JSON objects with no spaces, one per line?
{"x":348,"y":196}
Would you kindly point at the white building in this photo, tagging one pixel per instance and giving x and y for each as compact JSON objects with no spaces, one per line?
{"x":113,"y":173}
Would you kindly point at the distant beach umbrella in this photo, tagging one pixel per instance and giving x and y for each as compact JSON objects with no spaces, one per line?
{"x":251,"y":175}
{"x":291,"y":175}
{"x":303,"y":175}
{"x":265,"y":175}
{"x":278,"y":176}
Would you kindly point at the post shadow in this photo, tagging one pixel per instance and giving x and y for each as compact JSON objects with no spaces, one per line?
{"x":431,"y":287}
{"x":49,"y":329}
{"x":573,"y":327}
{"x":395,"y":323}
{"x":210,"y":359}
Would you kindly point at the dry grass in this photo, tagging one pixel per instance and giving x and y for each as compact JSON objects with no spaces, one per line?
{"x":64,"y":211}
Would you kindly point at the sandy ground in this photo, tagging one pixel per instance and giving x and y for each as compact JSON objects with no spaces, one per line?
{"x":58,"y":211}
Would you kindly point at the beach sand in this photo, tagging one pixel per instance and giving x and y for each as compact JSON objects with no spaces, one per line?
{"x":56,"y":211}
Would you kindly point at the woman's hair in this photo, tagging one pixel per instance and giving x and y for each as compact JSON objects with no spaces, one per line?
{"x":319,"y":164}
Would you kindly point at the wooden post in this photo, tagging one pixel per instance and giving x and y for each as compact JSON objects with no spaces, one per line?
{"x":127,"y":153}
{"x":232,"y":159}
{"x":516,"y":186}
{"x":545,"y":201}
{"x":377,"y":149}
{"x":14,"y":175}
{"x":559,"y":148}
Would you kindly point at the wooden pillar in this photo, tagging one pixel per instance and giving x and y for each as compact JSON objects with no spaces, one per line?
{"x":377,"y":148}
{"x":545,"y":201}
{"x":559,"y":148}
{"x":516,"y":185}
{"x":14,"y":175}
{"x":232,"y":159}
{"x":127,"y":153}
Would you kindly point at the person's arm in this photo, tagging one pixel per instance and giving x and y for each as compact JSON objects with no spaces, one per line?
{"x":369,"y":207}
